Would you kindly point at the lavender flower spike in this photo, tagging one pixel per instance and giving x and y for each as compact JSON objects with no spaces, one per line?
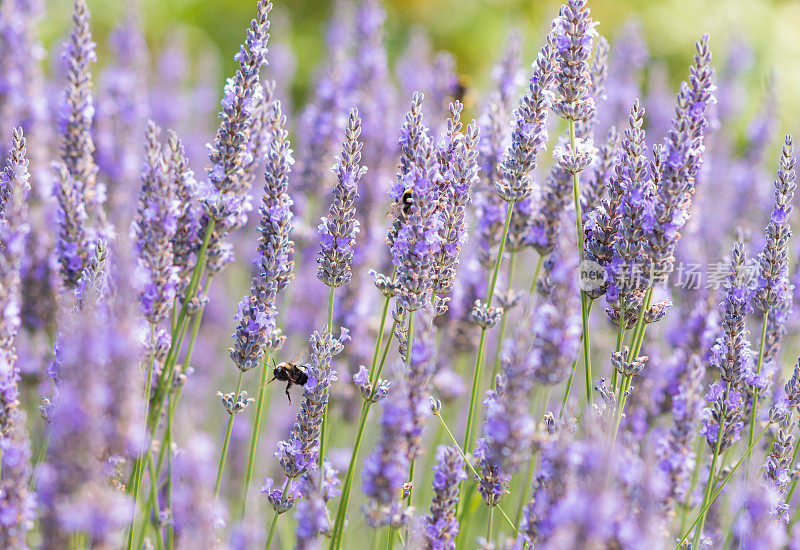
{"x":774,"y":259}
{"x":627,"y":268}
{"x":257,"y":310}
{"x":16,"y":503}
{"x":299,"y":454}
{"x":441,"y":524}
{"x":732,"y":357}
{"x":339,"y":229}
{"x":458,"y":167}
{"x":154,"y":229}
{"x":230,"y":156}
{"x":529,"y":134}
{"x":573,"y":35}
{"x":417,"y":238}
{"x":76,"y":145}
{"x":14,"y":228}
{"x":678,"y":162}
{"x":187,"y":234}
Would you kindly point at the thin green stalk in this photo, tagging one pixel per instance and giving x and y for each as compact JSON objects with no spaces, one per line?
{"x":323,"y":434}
{"x":706,"y":505}
{"x":754,"y":408}
{"x":409,"y":349}
{"x":168,"y":444}
{"x":139,"y":466}
{"x":568,"y":387}
{"x":793,"y":486}
{"x":251,"y":460}
{"x":489,"y":531}
{"x":512,"y":260}
{"x":693,"y":483}
{"x":40,"y":459}
{"x":469,"y":464}
{"x":344,"y":500}
{"x":476,"y":379}
{"x":576,"y":195}
{"x":620,"y":340}
{"x":226,"y":443}
{"x":536,"y":272}
{"x":532,"y":460}
{"x":711,"y":473}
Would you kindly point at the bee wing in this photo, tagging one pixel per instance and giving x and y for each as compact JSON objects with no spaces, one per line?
{"x":301,"y":358}
{"x":395,"y":211}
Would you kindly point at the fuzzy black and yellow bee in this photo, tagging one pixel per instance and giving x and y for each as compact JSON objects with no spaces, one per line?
{"x":292,"y":372}
{"x":403,"y":206}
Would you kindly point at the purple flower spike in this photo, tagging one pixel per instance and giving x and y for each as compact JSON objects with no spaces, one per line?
{"x":441,"y":524}
{"x":154,"y":229}
{"x":339,"y":229}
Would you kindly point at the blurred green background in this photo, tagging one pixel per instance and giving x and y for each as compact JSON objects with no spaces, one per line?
{"x":475,"y":31}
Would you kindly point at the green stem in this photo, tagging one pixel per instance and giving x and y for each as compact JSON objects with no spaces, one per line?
{"x":568,"y":387}
{"x":489,"y":527}
{"x":576,"y":195}
{"x":251,"y":460}
{"x":226,"y":443}
{"x":275,"y":517}
{"x":620,"y":341}
{"x":476,"y":379}
{"x":711,"y":473}
{"x":469,"y":464}
{"x":687,"y":504}
{"x":139,"y":465}
{"x":512,"y":260}
{"x":323,"y":435}
{"x":409,"y":349}
{"x":168,"y":444}
{"x":536,"y":272}
{"x":710,"y":500}
{"x":344,"y":500}
{"x":754,"y":408}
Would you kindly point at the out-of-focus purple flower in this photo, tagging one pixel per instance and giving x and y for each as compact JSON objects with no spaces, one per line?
{"x":573,"y":35}
{"x":312,"y":514}
{"x":339,"y":229}
{"x":121,"y":112}
{"x":154,"y":229}
{"x":96,"y":421}
{"x":557,"y":323}
{"x":76,"y":144}
{"x":675,"y":453}
{"x":441,"y":524}
{"x":755,"y":528}
{"x":385,"y":469}
{"x":16,"y":503}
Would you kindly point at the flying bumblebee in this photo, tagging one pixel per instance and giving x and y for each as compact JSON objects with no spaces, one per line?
{"x":401,"y":207}
{"x":292,"y":372}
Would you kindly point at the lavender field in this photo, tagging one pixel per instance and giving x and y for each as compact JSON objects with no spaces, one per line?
{"x":557,"y":310}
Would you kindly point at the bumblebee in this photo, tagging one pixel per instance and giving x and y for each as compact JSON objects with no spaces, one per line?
{"x":291,"y":372}
{"x":403,"y":206}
